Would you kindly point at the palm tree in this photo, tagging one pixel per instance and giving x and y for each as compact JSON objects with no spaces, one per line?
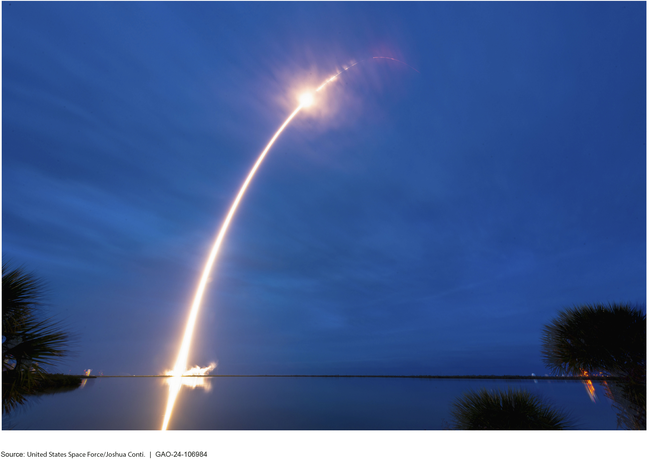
{"x":604,"y":340}
{"x":505,"y":410}
{"x":29,"y":342}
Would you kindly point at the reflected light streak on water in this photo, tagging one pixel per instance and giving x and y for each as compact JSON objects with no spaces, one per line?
{"x":589,"y":387}
{"x":193,"y":383}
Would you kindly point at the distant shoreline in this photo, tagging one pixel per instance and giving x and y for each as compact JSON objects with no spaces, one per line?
{"x":543,"y":378}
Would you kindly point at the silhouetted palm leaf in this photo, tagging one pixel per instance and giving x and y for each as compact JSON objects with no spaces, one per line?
{"x":21,"y":294}
{"x":29,"y":342}
{"x":505,"y":410}
{"x":605,"y":340}
{"x":595,"y":338}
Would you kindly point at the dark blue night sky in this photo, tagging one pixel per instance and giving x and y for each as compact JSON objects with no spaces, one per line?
{"x":425,"y":222}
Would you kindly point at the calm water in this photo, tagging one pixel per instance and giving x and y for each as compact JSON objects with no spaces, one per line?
{"x":288,"y":404}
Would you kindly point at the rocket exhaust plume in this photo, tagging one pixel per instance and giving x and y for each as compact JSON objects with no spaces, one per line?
{"x":180,"y":367}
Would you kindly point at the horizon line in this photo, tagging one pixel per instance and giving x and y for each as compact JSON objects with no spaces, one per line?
{"x":596,"y":378}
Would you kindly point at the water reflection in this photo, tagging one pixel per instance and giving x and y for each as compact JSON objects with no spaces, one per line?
{"x":85,"y":381}
{"x":591,"y":390}
{"x":628,"y":401}
{"x":193,"y":383}
{"x":288,"y":404}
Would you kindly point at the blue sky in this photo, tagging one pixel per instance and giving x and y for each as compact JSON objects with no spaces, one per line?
{"x":411,"y":222}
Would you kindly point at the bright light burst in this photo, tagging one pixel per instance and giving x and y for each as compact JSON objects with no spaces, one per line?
{"x":306,"y":99}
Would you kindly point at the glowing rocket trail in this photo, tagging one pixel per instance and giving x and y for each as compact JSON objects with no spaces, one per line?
{"x":330,"y":79}
{"x":180,"y":367}
{"x":181,"y":361}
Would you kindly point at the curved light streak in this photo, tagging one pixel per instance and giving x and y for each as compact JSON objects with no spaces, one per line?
{"x":181,"y":361}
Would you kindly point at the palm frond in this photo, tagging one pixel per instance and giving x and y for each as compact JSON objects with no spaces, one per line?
{"x":595,"y":338}
{"x":22,"y":293}
{"x":505,"y":410}
{"x":30,"y":342}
